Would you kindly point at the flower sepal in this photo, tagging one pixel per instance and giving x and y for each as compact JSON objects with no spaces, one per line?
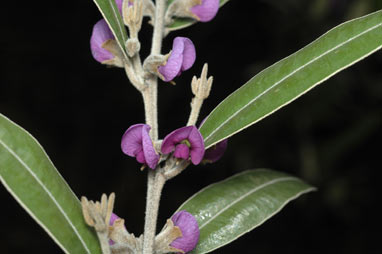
{"x":153,"y":62}
{"x":200,"y":10}
{"x":163,"y":240}
{"x":112,"y":46}
{"x":122,"y":239}
{"x":181,"y":9}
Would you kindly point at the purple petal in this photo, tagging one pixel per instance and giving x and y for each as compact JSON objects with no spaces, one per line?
{"x":182,"y":57}
{"x":132,"y":140}
{"x":197,"y":146}
{"x":189,"y":53}
{"x":174,"y":63}
{"x":190,"y":231}
{"x":174,"y":138}
{"x":182,"y":151}
{"x":119,"y":5}
{"x":207,"y":10}
{"x":214,"y":153}
{"x":151,"y":156}
{"x":101,"y":33}
{"x":141,"y":157}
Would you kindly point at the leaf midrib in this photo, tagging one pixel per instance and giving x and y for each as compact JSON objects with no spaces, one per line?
{"x":273,"y":181}
{"x":29,"y":170}
{"x":286,"y":77}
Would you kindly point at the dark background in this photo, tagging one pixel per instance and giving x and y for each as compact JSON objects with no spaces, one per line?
{"x":78,"y":110}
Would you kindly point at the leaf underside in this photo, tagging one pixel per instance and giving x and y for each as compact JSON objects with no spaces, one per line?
{"x":226,"y":210}
{"x":28,"y":174}
{"x":293,"y":76}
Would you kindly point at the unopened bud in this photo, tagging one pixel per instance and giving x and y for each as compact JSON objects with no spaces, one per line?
{"x":190,"y":231}
{"x":133,"y":46}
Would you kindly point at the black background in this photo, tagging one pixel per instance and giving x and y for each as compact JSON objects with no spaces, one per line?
{"x":78,"y":109}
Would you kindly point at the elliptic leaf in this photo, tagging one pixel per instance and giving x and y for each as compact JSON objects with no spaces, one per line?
{"x":293,"y":76}
{"x":29,"y":175}
{"x":226,"y":210}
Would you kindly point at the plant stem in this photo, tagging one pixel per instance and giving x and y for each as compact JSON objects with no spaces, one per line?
{"x":104,"y":242}
{"x":156,"y":49}
{"x":155,"y":185}
{"x":196,"y":105}
{"x":155,"y":179}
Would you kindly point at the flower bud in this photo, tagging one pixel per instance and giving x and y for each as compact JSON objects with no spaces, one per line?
{"x":190,"y":231}
{"x":215,"y":152}
{"x":207,"y":10}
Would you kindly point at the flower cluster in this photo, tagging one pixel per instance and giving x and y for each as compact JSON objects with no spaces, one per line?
{"x":185,"y":143}
{"x":181,"y":233}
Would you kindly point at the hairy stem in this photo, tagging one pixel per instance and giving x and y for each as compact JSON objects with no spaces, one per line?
{"x":155,"y":185}
{"x":156,"y":49}
{"x":104,"y":242}
{"x":196,"y":105}
{"x":156,"y":179}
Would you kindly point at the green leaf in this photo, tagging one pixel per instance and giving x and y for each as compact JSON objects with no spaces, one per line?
{"x":293,"y":76}
{"x":228,"y":209}
{"x":29,"y":175}
{"x":180,"y":23}
{"x":110,"y":13}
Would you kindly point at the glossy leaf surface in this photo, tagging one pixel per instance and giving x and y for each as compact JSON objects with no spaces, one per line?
{"x":180,"y":23}
{"x":293,"y":76}
{"x":231,"y":208}
{"x":110,"y":13}
{"x":29,"y":175}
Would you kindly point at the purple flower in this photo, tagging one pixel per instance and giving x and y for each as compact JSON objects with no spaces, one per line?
{"x":215,"y":152}
{"x":207,"y":10}
{"x":101,"y":33}
{"x":190,"y":231}
{"x":181,"y":58}
{"x":186,"y":142}
{"x":136,"y":142}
